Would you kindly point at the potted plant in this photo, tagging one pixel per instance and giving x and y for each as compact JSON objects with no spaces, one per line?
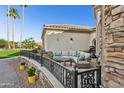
{"x":22,"y":65}
{"x":31,"y":75}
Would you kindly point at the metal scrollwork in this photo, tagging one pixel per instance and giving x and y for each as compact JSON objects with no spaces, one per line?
{"x":88,"y":79}
{"x":69,"y":79}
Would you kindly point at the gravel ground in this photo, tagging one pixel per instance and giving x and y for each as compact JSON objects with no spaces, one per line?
{"x":12,"y":77}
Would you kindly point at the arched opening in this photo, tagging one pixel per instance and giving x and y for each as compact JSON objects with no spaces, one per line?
{"x":94,"y":42}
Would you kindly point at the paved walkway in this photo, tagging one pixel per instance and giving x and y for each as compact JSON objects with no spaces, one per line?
{"x":11,"y":77}
{"x":8,"y":77}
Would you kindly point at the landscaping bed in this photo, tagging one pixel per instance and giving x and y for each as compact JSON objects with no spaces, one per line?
{"x":22,"y":75}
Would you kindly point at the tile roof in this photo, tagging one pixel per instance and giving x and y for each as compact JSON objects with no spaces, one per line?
{"x":68,"y":27}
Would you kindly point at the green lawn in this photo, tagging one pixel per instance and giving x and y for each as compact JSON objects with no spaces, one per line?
{"x":9,"y":53}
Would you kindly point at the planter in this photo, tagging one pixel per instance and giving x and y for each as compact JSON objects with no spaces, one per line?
{"x":31,"y":79}
{"x":31,"y":75}
{"x":22,"y":67}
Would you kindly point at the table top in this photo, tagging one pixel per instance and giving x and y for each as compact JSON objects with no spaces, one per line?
{"x":62,"y":59}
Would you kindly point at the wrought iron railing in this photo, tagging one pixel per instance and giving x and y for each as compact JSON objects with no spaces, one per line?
{"x":69,"y":78}
{"x":63,"y":74}
{"x":31,"y":55}
{"x":35,"y":56}
{"x":24,"y":53}
{"x":90,"y":78}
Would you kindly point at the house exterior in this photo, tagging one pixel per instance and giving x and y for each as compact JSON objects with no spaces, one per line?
{"x":110,"y":43}
{"x":67,"y":37}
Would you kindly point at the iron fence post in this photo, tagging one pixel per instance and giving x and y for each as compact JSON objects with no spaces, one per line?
{"x":29,"y":55}
{"x":99,"y":76}
{"x":75,"y":77}
{"x":20,"y":53}
{"x":41,"y":58}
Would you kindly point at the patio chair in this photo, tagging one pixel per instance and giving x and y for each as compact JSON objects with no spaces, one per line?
{"x":83,"y":63}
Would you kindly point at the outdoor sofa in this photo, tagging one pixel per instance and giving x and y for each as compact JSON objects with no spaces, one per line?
{"x":75,"y":55}
{"x":79,"y":57}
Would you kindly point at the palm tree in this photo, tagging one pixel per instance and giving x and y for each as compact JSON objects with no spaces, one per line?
{"x":14,"y":14}
{"x":23,"y":13}
{"x":8,"y":29}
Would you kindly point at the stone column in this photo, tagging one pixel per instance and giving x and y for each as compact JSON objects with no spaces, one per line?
{"x":112,"y":49}
{"x":99,"y":13}
{"x":114,"y":34}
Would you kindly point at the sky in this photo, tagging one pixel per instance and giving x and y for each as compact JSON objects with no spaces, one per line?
{"x":36,"y":16}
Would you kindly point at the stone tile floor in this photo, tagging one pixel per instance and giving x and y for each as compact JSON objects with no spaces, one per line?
{"x":12,"y":77}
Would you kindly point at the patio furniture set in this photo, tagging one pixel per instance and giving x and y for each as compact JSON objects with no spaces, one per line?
{"x":69,"y":77}
{"x":80,"y":59}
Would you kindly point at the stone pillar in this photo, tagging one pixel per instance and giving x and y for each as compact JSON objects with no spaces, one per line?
{"x":113,"y":46}
{"x":114,"y":34}
{"x":99,"y":13}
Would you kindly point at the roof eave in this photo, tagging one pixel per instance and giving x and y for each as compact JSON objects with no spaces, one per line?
{"x":75,"y":30}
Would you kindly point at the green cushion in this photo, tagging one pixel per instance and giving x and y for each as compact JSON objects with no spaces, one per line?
{"x":57,"y":53}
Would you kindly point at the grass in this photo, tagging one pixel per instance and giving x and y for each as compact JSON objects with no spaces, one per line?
{"x":9,"y":53}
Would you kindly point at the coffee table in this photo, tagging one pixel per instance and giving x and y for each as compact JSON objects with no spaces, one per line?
{"x":63,"y":59}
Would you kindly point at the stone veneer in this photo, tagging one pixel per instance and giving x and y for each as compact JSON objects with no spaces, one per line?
{"x":112,"y":20}
{"x":114,"y":45}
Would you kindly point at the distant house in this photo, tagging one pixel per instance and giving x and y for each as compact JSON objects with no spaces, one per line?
{"x":67,"y":37}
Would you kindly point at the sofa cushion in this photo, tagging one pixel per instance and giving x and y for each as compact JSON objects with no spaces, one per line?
{"x":78,"y":54}
{"x":84,"y":55}
{"x":57,"y":53}
{"x":55,"y":57}
{"x":65,"y":53}
{"x":72,"y":53}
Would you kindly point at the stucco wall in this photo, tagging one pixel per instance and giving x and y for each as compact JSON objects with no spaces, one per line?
{"x":81,"y":41}
{"x":92,"y":37}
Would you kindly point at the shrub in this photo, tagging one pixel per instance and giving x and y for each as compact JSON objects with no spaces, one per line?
{"x":31,"y":71}
{"x":34,"y":51}
{"x":3,"y":43}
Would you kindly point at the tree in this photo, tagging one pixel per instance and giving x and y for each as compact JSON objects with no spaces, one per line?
{"x":29,"y":43}
{"x":23,"y":13}
{"x":3,"y":43}
{"x":14,"y":14}
{"x":25,"y":43}
{"x":8,"y":29}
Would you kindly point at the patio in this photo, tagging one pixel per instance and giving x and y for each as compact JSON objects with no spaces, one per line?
{"x":68,"y":76}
